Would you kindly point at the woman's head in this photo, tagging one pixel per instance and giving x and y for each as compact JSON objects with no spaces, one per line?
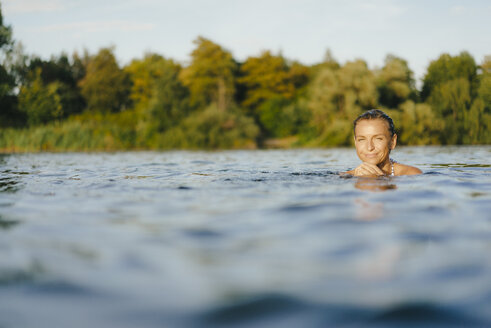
{"x":374,"y":136}
{"x":375,"y":114}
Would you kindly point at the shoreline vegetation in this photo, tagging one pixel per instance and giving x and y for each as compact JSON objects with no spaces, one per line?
{"x":88,"y":102}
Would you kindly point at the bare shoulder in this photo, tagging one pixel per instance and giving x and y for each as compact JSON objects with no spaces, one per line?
{"x":402,"y":169}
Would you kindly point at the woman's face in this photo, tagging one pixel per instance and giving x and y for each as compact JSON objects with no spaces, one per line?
{"x":373,"y":141}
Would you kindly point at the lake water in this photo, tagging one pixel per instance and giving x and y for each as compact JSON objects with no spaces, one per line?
{"x":271,"y":238}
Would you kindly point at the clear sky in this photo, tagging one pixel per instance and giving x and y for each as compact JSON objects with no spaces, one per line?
{"x":418,"y":31}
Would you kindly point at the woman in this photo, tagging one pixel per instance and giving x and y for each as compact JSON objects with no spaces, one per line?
{"x":374,"y":139}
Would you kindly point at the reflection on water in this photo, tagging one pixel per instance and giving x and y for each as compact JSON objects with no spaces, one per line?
{"x":244,"y":238}
{"x":375,"y":184}
{"x":369,"y":210}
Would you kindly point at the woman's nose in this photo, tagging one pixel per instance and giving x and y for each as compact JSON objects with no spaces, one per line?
{"x":370,"y":145}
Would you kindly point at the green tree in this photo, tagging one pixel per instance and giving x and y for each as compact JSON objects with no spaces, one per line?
{"x":60,"y":70}
{"x":484,"y":91}
{"x":41,"y":103}
{"x":280,"y":117}
{"x":336,"y":97}
{"x":265,"y":77}
{"x":395,"y":83}
{"x":270,"y":86}
{"x":213,"y":129}
{"x":144,"y":74}
{"x":447,"y":68}
{"x":478,"y":123}
{"x":210,"y":76}
{"x":417,"y":124}
{"x":168,"y":105}
{"x":9,"y":116}
{"x":451,"y":101}
{"x":450,"y":87}
{"x":105,"y":86}
{"x":6,"y":42}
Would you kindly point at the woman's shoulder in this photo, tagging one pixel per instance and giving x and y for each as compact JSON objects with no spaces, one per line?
{"x":403,"y":169}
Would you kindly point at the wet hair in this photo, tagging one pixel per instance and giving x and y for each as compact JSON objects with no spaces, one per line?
{"x":373,"y":114}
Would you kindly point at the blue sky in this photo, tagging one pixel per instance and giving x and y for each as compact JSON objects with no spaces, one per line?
{"x":418,"y":31}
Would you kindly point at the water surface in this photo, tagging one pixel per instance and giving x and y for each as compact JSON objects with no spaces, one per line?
{"x":244,"y":238}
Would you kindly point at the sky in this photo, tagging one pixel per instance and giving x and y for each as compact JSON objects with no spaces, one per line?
{"x":303,"y":30}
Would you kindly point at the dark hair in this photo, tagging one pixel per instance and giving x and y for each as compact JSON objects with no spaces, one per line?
{"x":374,"y":114}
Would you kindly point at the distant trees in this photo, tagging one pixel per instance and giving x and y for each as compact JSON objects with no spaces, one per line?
{"x":105,"y":86}
{"x":336,"y":97}
{"x":158,"y":96}
{"x":89,"y":101}
{"x":265,"y":77}
{"x":395,"y":83}
{"x":271,"y":87}
{"x":479,"y":117}
{"x":39,"y":101}
{"x":451,"y":87}
{"x":210,"y":76}
{"x":9,"y":116}
{"x":58,"y":76}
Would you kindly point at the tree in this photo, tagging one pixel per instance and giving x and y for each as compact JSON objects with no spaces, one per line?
{"x":395,"y":83}
{"x":168,"y":105}
{"x":281,"y":118}
{"x":417,"y":124}
{"x":337,"y":97}
{"x":484,"y":91}
{"x":105,"y":86}
{"x":144,"y":74}
{"x":41,"y":103}
{"x":6,"y":42}
{"x":447,"y":68}
{"x":265,"y":77}
{"x":9,"y":116}
{"x":60,"y":70}
{"x":270,"y":85}
{"x":210,"y":76}
{"x":212,"y":128}
{"x":450,"y":86}
{"x":478,"y":123}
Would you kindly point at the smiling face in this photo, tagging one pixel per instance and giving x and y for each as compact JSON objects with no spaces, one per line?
{"x":373,"y":141}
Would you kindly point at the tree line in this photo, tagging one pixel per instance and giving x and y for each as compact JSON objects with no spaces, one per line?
{"x":89,"y":102}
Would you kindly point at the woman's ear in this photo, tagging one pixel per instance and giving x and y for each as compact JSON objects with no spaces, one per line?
{"x":393,"y":142}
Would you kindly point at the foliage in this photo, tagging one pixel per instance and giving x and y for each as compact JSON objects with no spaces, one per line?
{"x":266,"y":77}
{"x":337,"y":97}
{"x":94,"y":132}
{"x":144,"y":75}
{"x":105,"y":86}
{"x":41,"y":103}
{"x":213,"y":129}
{"x":9,"y":116}
{"x":61,"y":72}
{"x":447,"y":68}
{"x":211,"y":75}
{"x":88,"y":102}
{"x":478,"y":122}
{"x":417,"y":124}
{"x":281,"y":118}
{"x":5,"y":34}
{"x":395,"y":83}
{"x":168,"y":105}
